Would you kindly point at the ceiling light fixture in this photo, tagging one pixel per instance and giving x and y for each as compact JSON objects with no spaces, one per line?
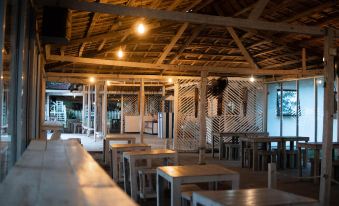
{"x":120,"y":53}
{"x":141,"y":28}
{"x":91,"y":79}
{"x":252,"y":79}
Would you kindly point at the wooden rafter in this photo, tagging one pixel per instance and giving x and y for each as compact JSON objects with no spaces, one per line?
{"x":185,"y":17}
{"x":235,"y":70}
{"x":258,"y":9}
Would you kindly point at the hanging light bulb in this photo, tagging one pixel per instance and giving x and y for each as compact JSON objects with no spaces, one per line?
{"x":170,"y":80}
{"x":141,"y":28}
{"x":252,"y":79}
{"x":91,"y":79}
{"x":120,"y":53}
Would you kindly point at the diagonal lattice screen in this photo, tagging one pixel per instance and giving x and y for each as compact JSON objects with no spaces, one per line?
{"x":242,"y":110}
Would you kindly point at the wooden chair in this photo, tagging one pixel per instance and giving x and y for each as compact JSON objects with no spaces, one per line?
{"x":147,"y":188}
{"x":187,"y":193}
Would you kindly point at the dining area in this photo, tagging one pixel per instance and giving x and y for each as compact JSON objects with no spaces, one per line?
{"x":169,"y":103}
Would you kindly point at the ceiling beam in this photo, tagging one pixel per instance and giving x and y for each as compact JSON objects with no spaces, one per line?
{"x":184,"y":17}
{"x":174,"y":40}
{"x":213,"y":69}
{"x":242,"y":48}
{"x":258,"y":9}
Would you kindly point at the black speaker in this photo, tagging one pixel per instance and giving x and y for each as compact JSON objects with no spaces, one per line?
{"x":55,"y":25}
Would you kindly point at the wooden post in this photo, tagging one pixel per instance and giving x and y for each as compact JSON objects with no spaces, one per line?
{"x":96,"y":102}
{"x":47,"y":107}
{"x":89,"y":107}
{"x":163,"y":99}
{"x":326,"y":164}
{"x":104,"y":112}
{"x":303,"y":60}
{"x":42,"y":105}
{"x":315,"y":110}
{"x":202,"y":119}
{"x":337,"y":108}
{"x":265,"y":109}
{"x":176,"y":113}
{"x":272,"y":176}
{"x":122,"y":115}
{"x":142,"y":110}
{"x":84,"y":102}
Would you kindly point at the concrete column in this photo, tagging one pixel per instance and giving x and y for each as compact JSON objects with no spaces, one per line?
{"x":142,"y":110}
{"x":326,"y":160}
{"x":202,"y":117}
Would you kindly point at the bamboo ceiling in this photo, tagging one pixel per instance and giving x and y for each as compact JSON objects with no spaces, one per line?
{"x":99,"y":35}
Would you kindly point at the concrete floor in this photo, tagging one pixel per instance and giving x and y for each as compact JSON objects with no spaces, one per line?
{"x":287,"y":179}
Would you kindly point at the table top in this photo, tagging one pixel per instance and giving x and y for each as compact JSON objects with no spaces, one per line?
{"x":110,"y":137}
{"x":273,"y":139}
{"x":315,"y":145}
{"x":120,"y":146}
{"x":262,"y":196}
{"x":52,"y":124}
{"x":243,"y":133}
{"x":153,"y":152}
{"x":196,"y":170}
{"x":59,"y":173}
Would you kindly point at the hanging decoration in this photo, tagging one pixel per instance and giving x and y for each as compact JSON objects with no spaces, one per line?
{"x":217,"y":87}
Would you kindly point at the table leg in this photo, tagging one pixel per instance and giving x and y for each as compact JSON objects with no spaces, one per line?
{"x":133,"y":180}
{"x":175,"y":193}
{"x":284,"y":155}
{"x":111,"y":163}
{"x":115,"y":163}
{"x":104,"y":151}
{"x":242,"y":154}
{"x":235,"y":182}
{"x":300,"y":171}
{"x":316,"y":164}
{"x":255,"y":156}
{"x":160,"y":190}
{"x":212,"y":145}
{"x":125,"y":160}
{"x":220,"y":147}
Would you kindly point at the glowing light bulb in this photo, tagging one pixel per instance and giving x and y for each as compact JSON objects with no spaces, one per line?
{"x":319,"y":81}
{"x":252,"y":79}
{"x":120,"y":53}
{"x":91,"y":79}
{"x":170,"y":80}
{"x":141,"y":28}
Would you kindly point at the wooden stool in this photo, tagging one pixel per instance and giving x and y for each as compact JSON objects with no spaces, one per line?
{"x":146,"y":184}
{"x":187,"y":192}
{"x":264,"y":156}
{"x":232,"y":151}
{"x":292,"y":158}
{"x":248,"y":157}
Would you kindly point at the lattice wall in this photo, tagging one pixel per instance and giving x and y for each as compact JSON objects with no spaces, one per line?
{"x":242,"y":110}
{"x":188,"y":125}
{"x":130,"y":106}
{"x":152,"y":104}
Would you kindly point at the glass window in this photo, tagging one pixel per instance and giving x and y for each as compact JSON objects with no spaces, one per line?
{"x":273,"y":120}
{"x":307,"y":109}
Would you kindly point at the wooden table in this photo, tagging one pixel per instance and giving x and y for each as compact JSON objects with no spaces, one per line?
{"x":246,"y":197}
{"x":59,"y":173}
{"x":130,"y":159}
{"x":316,"y":147}
{"x":178,"y":175}
{"x":56,"y":127}
{"x":236,"y":135}
{"x":116,"y":155}
{"x":109,"y":138}
{"x":281,"y":140}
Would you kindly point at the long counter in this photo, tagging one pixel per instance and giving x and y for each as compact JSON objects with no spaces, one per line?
{"x":59,"y":173}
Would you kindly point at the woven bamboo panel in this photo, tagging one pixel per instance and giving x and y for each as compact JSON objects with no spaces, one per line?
{"x":242,"y":110}
{"x":130,"y":107}
{"x":152,"y":104}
